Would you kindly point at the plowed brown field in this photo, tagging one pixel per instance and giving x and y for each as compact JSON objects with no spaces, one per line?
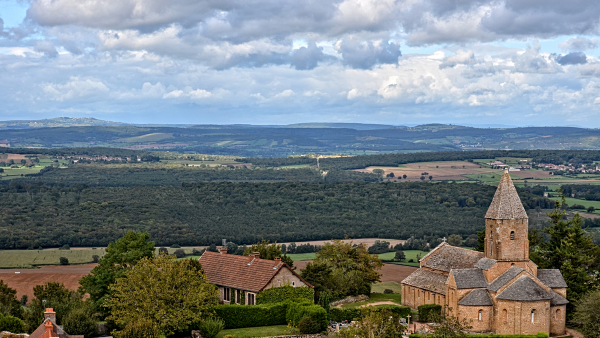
{"x":447,"y":170}
{"x":23,"y":280}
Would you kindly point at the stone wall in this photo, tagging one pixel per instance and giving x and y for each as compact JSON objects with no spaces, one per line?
{"x":350,"y":299}
{"x":515,"y":317}
{"x":558,"y":319}
{"x":285,"y":277}
{"x":498,"y":236}
{"x":471,"y":314}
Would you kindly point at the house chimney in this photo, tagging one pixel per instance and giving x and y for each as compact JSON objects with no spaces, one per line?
{"x":223,"y":251}
{"x":277,"y":259}
{"x":256,"y":254}
{"x":50,"y":314}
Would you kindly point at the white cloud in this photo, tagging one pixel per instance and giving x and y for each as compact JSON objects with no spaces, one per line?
{"x":76,"y":88}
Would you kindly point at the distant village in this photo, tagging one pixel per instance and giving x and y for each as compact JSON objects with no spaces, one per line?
{"x":570,"y":168}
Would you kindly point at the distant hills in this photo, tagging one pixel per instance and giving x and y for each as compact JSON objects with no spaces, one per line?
{"x":294,"y":139}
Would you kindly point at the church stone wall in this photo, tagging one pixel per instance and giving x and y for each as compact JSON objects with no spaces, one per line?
{"x":558,"y":320}
{"x":515,"y":317}
{"x":479,"y":323}
{"x":498,"y":242}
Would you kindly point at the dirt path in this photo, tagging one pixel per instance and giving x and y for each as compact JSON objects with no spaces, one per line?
{"x":574,"y":334}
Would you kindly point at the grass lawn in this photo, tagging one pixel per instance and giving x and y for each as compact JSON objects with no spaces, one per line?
{"x":302,"y":256}
{"x":261,"y":331}
{"x":381,"y":286}
{"x":376,"y":298}
{"x":30,"y":258}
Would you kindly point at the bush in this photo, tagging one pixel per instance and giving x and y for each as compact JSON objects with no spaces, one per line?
{"x":64,"y":261}
{"x":388,"y":291}
{"x":210,"y":327}
{"x":80,"y":322}
{"x":175,"y":246}
{"x":340,"y":315}
{"x":297,"y":311}
{"x":577,"y":206}
{"x":285,"y":293}
{"x":95,"y":258}
{"x":180,"y":253}
{"x":65,"y":247}
{"x":428,"y":312}
{"x":308,"y":325}
{"x":163,"y":251}
{"x":11,"y":324}
{"x":141,"y":329}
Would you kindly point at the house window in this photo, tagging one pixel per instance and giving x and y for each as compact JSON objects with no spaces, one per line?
{"x":250,"y":299}
{"x":480,"y":313}
{"x":512,"y":235}
{"x":226,"y":294}
{"x":238,"y":296}
{"x":504,"y":316}
{"x":533,"y":316}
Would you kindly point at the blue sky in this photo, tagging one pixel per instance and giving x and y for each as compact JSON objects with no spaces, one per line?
{"x":474,"y":62}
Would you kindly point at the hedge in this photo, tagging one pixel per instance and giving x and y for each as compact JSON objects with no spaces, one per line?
{"x":238,"y":316}
{"x":428,"y":311}
{"x":297,"y":311}
{"x":340,"y":315}
{"x":539,"y":335}
{"x":284,"y":293}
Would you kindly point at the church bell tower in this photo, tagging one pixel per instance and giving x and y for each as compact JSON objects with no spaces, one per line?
{"x":506,"y":225}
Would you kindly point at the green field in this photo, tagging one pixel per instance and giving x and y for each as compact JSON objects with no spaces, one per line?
{"x":381,"y":286}
{"x":302,"y":256}
{"x":585,"y":203}
{"x":415,"y":255}
{"x":261,"y":331}
{"x":32,"y":258}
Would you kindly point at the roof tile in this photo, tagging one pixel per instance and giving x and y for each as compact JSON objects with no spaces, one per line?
{"x":506,"y":203}
{"x":524,"y":289}
{"x":451,"y":257}
{"x":469,"y":278}
{"x":427,"y":280}
{"x":477,"y":297}
{"x":552,"y":278}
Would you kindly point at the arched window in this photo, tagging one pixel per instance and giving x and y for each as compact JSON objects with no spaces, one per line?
{"x":512,"y":235}
{"x":504,"y":316}
{"x":533,"y":316}
{"x":557,"y":314}
{"x":480,"y":313}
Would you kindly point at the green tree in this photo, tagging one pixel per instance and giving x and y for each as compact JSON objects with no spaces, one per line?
{"x":172,"y":293}
{"x":350,"y":269}
{"x":269,"y":251}
{"x":400,"y":256}
{"x":64,"y":261}
{"x":591,"y":209}
{"x":81,"y":321}
{"x":455,"y":240}
{"x":480,"y":241}
{"x":448,"y":326}
{"x":374,"y":323}
{"x":378,"y":171}
{"x":120,"y":256}
{"x":9,"y":305}
{"x":587,"y":314}
{"x":571,"y":249}
{"x":51,"y":295}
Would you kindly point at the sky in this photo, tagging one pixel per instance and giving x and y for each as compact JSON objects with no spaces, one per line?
{"x":405,"y":62}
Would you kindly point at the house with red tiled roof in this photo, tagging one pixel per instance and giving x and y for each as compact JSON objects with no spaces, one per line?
{"x":241,"y":277}
{"x":49,"y":328}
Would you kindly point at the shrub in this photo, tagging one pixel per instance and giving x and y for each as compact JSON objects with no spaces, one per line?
{"x":285,"y":293}
{"x":227,"y":336}
{"x":429,"y":311}
{"x":11,"y":324}
{"x":577,"y":206}
{"x":210,"y":327}
{"x":180,"y":253}
{"x":64,"y":261}
{"x":95,"y":258}
{"x":144,"y":328}
{"x":297,"y":311}
{"x":65,"y":247}
{"x":175,"y":246}
{"x":388,"y":291}
{"x":80,"y":322}
{"x":163,"y":251}
{"x":308,"y":325}
{"x":340,"y":315}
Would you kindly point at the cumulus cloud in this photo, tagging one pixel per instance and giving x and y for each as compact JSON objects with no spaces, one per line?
{"x":575,"y":58}
{"x":579,"y":44}
{"x":188,"y":93}
{"x":46,"y":48}
{"x":366,"y":54}
{"x":76,"y":88}
{"x":307,"y":57}
{"x":460,"y":58}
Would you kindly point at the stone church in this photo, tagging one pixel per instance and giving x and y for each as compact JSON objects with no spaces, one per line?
{"x":500,"y":290}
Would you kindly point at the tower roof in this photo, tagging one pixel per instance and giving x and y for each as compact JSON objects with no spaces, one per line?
{"x":506,"y":203}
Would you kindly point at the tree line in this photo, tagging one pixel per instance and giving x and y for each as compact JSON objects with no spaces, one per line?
{"x":49,"y":215}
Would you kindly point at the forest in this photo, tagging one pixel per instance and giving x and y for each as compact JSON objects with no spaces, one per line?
{"x":586,"y":192}
{"x":48,"y":215}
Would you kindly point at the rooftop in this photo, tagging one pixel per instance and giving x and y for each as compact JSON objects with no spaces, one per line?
{"x":240,"y":272}
{"x":524,"y":289}
{"x":506,"y":203}
{"x":469,"y":278}
{"x":477,"y":297}
{"x":427,"y":280}
{"x":552,"y":278}
{"x":447,"y":257}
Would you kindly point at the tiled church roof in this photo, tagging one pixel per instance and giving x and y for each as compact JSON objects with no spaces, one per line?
{"x":427,"y":280}
{"x":504,"y":278}
{"x":240,"y":272}
{"x":552,"y":278}
{"x":506,"y":203}
{"x":448,"y":257}
{"x":524,"y":289}
{"x":485,"y":263}
{"x":557,"y":299}
{"x":469,"y":278}
{"x":477,"y":297}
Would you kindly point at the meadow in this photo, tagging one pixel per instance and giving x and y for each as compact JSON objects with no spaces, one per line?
{"x":33,"y":258}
